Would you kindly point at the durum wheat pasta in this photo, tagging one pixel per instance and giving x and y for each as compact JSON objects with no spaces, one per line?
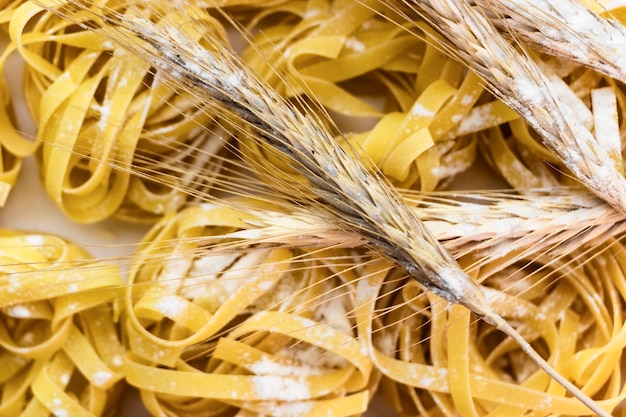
{"x":115,"y":117}
{"x":61,"y":350}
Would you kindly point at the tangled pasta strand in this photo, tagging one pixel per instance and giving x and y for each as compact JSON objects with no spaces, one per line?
{"x":346,"y":67}
{"x":597,"y":100}
{"x":571,"y":309}
{"x":60,"y":349}
{"x":211,"y":326}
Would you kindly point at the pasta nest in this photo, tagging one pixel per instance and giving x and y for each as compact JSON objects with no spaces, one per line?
{"x":110,"y":136}
{"x":513,"y":149}
{"x":241,"y":325}
{"x":389,"y":91}
{"x":439,"y":359}
{"x":60,"y":350}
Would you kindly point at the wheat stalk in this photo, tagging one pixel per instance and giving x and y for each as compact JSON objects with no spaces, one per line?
{"x":494,"y":218}
{"x":347,"y":194}
{"x":520,"y":83}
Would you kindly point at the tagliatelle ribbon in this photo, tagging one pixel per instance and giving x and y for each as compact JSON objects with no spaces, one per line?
{"x":10,"y":167}
{"x":311,"y":56}
{"x":463,"y":381}
{"x":12,"y":142}
{"x":13,"y":146}
{"x":195,"y":308}
{"x":235,"y":387}
{"x":318,"y":54}
{"x":311,"y":332}
{"x":158,"y":302}
{"x":57,"y":309}
{"x":606,"y":8}
{"x":329,"y":53}
{"x":250,"y":358}
{"x":520,"y":158}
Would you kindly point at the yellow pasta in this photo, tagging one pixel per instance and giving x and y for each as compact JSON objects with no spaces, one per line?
{"x":60,"y":349}
{"x":439,"y":359}
{"x":216,"y":321}
{"x":102,"y":115}
{"x":302,"y":52}
{"x":6,"y":11}
{"x":351,"y":66}
{"x":10,"y":166}
{"x":257,"y":329}
{"x":12,"y":146}
{"x":424,"y":132}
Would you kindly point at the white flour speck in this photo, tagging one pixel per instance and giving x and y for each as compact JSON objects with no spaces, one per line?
{"x":101,"y":378}
{"x":279,"y":388}
{"x":19,"y":311}
{"x":170,"y":306}
{"x":35,"y":240}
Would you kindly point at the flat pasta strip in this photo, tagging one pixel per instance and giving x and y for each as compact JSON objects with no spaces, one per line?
{"x":219,"y":324}
{"x":343,"y":66}
{"x":452,"y":364}
{"x":13,"y":147}
{"x":514,"y":151}
{"x":57,"y":310}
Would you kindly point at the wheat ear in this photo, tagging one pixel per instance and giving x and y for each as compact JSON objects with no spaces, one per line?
{"x":564,"y":28}
{"x":515,"y":79}
{"x":348,"y":195}
{"x":489,"y":224}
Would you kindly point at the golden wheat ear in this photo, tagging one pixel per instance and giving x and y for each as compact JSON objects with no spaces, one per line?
{"x":564,"y":28}
{"x":490,"y":225}
{"x":345,"y":192}
{"x":468,"y":34}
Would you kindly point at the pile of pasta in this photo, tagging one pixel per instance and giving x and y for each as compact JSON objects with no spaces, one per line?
{"x":570,"y":308}
{"x":61,"y":350}
{"x":266,"y":330}
{"x":111,"y":140}
{"x":242,"y":307}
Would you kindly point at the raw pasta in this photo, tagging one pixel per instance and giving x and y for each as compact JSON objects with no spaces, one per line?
{"x":219,"y":318}
{"x":242,"y":326}
{"x":440,"y":359}
{"x":60,"y":350}
{"x":515,"y":152}
{"x":367,"y":68}
{"x":103,"y":115}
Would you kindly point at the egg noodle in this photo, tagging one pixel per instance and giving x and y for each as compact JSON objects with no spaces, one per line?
{"x":100,"y":112}
{"x":61,"y":348}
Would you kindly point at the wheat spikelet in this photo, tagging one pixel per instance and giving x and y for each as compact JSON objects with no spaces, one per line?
{"x":347,"y":194}
{"x":494,"y":217}
{"x":519,"y":82}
